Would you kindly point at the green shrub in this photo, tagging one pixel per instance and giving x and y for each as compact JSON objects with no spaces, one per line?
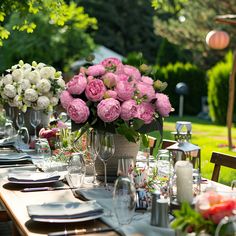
{"x":189,"y":74}
{"x":218,"y":88}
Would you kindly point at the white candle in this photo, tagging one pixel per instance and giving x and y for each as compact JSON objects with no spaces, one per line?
{"x":184,"y":181}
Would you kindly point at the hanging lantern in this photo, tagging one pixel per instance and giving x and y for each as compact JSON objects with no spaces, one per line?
{"x":217,"y":39}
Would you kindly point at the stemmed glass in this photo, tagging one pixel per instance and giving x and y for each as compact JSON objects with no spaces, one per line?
{"x":106,"y":151}
{"x":93,"y":149}
{"x":20,"y":120}
{"x":35,"y":120}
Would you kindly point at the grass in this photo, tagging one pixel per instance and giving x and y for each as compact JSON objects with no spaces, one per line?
{"x":208,"y":137}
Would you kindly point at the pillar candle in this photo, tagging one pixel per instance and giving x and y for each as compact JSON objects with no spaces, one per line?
{"x":184,"y":181}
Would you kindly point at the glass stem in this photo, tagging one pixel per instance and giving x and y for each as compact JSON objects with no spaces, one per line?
{"x":94,"y":173}
{"x":35,"y":133}
{"x":105,"y":174}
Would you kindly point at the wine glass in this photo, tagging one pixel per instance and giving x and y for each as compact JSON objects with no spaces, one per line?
{"x":35,"y":120}
{"x":10,"y":112}
{"x":93,"y":149}
{"x":124,"y":200}
{"x":106,"y":151}
{"x":20,"y":120}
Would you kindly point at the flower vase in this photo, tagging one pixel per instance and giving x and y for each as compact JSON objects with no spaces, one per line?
{"x":123,"y":148}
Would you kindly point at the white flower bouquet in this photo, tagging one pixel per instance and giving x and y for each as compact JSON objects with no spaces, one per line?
{"x":36,"y":86}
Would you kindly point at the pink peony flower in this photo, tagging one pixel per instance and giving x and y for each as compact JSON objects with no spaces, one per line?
{"x":111,"y":63}
{"x":122,"y":77}
{"x":109,"y":79}
{"x":146,"y":112}
{"x":82,"y":70}
{"x":90,"y":78}
{"x":95,"y":90}
{"x":110,"y":94}
{"x":132,"y":72}
{"x":128,"y":110}
{"x":96,"y":70}
{"x":125,"y":90}
{"x":78,"y":111}
{"x":163,"y":104}
{"x":108,"y":109}
{"x":147,"y":80}
{"x":146,"y":91}
{"x":77,"y":85}
{"x":65,"y":99}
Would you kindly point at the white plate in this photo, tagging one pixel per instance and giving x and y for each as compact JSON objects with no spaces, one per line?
{"x":50,"y":220}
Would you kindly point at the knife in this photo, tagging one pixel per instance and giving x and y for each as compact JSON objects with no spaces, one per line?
{"x":81,"y":231}
{"x":45,"y":189}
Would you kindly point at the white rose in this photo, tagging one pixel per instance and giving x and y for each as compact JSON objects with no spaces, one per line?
{"x":14,"y":67}
{"x":26,"y":66}
{"x":43,"y":86}
{"x":17,"y":75}
{"x":1,"y":81}
{"x":17,"y":102}
{"x":43,"y":102}
{"x":3,"y":95}
{"x":10,"y":91}
{"x":33,"y":77}
{"x":7,"y":79}
{"x":40,"y":65}
{"x":30,"y":95}
{"x":27,"y":103}
{"x":25,"y":84}
{"x":47,"y":72}
{"x":54,"y":101}
{"x":61,"y":82}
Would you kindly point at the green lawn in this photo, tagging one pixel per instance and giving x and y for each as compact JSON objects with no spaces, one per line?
{"x":208,"y":136}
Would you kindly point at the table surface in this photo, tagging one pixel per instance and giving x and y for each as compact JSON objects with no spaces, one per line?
{"x":16,"y":201}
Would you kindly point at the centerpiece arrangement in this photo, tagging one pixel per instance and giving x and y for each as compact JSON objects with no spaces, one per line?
{"x":31,"y":86}
{"x":117,"y":98}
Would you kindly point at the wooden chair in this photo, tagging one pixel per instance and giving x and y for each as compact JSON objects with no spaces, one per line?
{"x":220,"y":159}
{"x":166,"y":143}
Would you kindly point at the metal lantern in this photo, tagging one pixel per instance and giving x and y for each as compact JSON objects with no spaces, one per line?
{"x":183,"y":149}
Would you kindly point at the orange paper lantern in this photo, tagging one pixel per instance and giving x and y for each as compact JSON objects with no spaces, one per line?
{"x":217,"y":39}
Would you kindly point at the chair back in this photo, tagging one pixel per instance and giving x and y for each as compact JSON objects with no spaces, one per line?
{"x":166,"y":143}
{"x":221,"y":159}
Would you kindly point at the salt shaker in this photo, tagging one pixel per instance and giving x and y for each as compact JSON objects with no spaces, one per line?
{"x":154,"y":213}
{"x":162,"y":210}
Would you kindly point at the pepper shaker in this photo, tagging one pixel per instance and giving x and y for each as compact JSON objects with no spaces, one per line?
{"x":154,"y":213}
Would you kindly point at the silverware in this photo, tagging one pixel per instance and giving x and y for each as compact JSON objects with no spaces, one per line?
{"x":81,"y":231}
{"x":36,"y":189}
{"x":15,"y":165}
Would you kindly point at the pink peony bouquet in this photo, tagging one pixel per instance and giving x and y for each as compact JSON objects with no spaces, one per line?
{"x":115,"y":97}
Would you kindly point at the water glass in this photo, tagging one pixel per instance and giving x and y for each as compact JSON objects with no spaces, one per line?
{"x":43,"y":153}
{"x":76,"y":170}
{"x":124,"y":200}
{"x":35,"y":119}
{"x":227,"y":226}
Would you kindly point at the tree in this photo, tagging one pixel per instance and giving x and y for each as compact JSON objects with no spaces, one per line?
{"x":125,"y":26}
{"x":57,"y":12}
{"x":189,"y":22}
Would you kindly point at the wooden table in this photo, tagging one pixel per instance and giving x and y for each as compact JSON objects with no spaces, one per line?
{"x":16,"y":201}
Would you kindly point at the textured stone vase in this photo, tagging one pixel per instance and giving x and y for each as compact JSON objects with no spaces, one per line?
{"x":123,"y":148}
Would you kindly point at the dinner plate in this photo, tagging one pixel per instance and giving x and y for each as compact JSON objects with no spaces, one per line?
{"x":50,"y":220}
{"x":36,"y":182}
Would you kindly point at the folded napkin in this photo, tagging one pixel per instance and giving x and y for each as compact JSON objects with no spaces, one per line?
{"x":93,"y":193}
{"x":5,"y":142}
{"x":65,"y":210}
{"x":30,"y":176}
{"x":14,"y":158}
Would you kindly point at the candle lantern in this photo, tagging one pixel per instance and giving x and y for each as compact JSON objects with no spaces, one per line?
{"x":183,"y":149}
{"x":185,"y":182}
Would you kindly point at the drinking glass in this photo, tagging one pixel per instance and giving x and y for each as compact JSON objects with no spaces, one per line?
{"x":106,"y":151}
{"x":10,"y":112}
{"x":35,"y":120}
{"x":226,"y":227}
{"x":76,"y":170}
{"x":125,"y":166}
{"x":93,"y":149}
{"x":20,"y":120}
{"x":42,"y":154}
{"x":124,"y":200}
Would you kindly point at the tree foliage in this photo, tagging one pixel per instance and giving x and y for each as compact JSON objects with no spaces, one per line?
{"x":125,"y":26}
{"x":57,"y":12}
{"x":187,"y":23}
